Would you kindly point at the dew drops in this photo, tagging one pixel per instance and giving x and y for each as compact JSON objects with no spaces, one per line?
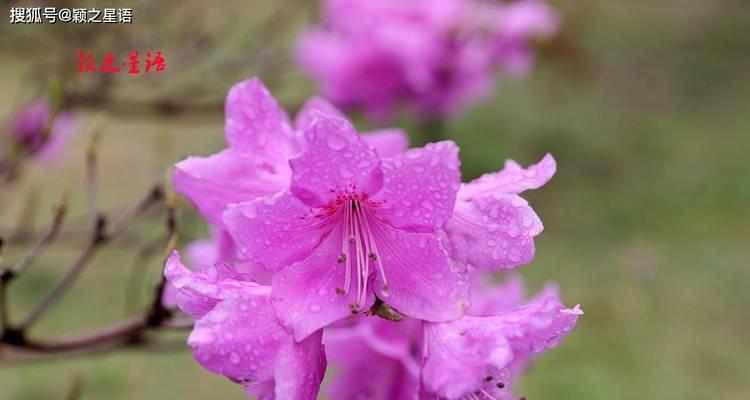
{"x":234,"y":358}
{"x":345,"y":172}
{"x":336,"y":142}
{"x":315,"y":308}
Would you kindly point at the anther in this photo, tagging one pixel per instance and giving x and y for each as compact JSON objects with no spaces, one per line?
{"x":500,"y":385}
{"x":488,"y":378}
{"x":372,"y":256}
{"x":340,"y":291}
{"x":341,"y":258}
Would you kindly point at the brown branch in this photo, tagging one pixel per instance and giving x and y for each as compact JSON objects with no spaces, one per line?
{"x":123,"y":221}
{"x":15,"y":346}
{"x":99,"y":236}
{"x":59,"y":213}
{"x":8,"y":274}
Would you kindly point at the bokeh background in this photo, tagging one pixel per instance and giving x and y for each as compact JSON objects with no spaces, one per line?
{"x":647,"y":224}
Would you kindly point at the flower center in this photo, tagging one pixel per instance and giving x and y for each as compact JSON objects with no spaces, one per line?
{"x":359,"y":253}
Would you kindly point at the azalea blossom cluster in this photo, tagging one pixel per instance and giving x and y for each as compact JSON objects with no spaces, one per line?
{"x":36,"y":130}
{"x":335,"y":246}
{"x":432,"y":56}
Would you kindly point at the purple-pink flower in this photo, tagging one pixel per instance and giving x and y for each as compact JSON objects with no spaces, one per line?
{"x":318,"y":231}
{"x":38,"y":131}
{"x":483,"y":352}
{"x":492,"y":227}
{"x":237,"y":334}
{"x":261,"y":139}
{"x":433,"y":57}
{"x":354,"y":225}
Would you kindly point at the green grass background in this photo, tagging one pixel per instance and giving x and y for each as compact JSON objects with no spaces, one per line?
{"x":647,"y":223}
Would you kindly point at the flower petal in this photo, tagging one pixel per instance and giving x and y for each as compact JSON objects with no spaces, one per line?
{"x":492,"y":231}
{"x":218,"y":248}
{"x":514,"y":179}
{"x":539,"y":325}
{"x":299,"y":369}
{"x":236,"y":332}
{"x":492,"y":299}
{"x":420,"y":280}
{"x":460,"y":353}
{"x":336,"y":162}
{"x":256,"y":125}
{"x":312,"y":106}
{"x":275,"y":231}
{"x":419,"y":189}
{"x":365,"y":372}
{"x":197,"y":292}
{"x":212,"y":182}
{"x":388,"y":142}
{"x":305,"y":294}
{"x":240,"y":338}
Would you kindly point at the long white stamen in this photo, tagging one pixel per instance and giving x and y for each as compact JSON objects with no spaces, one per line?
{"x":358,"y":249}
{"x":375,"y":254}
{"x":487,"y":394}
{"x":361,"y":259}
{"x":345,"y":251}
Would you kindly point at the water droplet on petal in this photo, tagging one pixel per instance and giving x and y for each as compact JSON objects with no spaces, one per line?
{"x":336,"y":141}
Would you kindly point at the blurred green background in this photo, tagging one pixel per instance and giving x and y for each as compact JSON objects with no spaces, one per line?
{"x":645,"y":106}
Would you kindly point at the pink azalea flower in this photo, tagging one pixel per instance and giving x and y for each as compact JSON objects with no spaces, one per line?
{"x":261,"y":140}
{"x":480,"y":354}
{"x":516,"y":25}
{"x":432,"y":56}
{"x":355,"y":224}
{"x":485,"y":352}
{"x":492,"y":227}
{"x":237,"y":335}
{"x":218,"y":248}
{"x":38,"y":131}
{"x":376,"y":359}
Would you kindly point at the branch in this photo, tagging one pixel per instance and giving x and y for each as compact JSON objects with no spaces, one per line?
{"x":8,"y":274}
{"x":99,"y":236}
{"x":15,"y":346}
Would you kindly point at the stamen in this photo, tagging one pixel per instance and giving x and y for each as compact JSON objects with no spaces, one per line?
{"x":385,"y":291}
{"x":359,"y":240}
{"x":345,"y":248}
{"x":487,"y":394}
{"x":361,"y":261}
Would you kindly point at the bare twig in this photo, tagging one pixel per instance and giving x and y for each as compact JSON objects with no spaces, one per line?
{"x":135,"y":277}
{"x":97,"y":238}
{"x":8,"y":274}
{"x":123,"y":221}
{"x":16,"y":346}
{"x":58,"y":216}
